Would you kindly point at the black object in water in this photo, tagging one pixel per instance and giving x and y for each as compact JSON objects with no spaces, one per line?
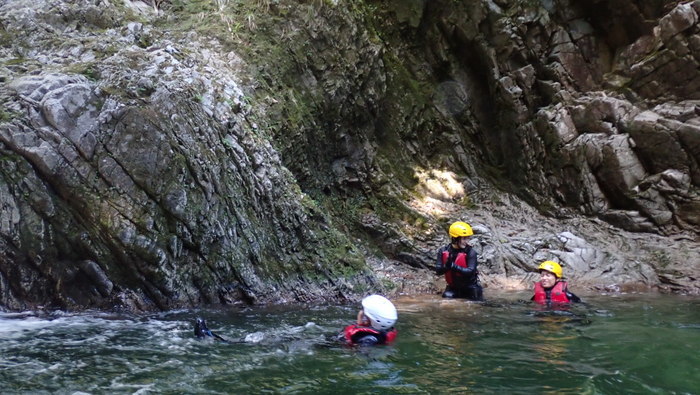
{"x":201,"y":331}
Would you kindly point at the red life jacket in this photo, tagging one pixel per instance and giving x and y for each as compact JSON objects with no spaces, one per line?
{"x":557,"y":294}
{"x":354,"y":329}
{"x":460,"y":260}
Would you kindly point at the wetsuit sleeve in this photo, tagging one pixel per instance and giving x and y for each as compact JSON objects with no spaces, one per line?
{"x":471,"y":263}
{"x":439,"y":267}
{"x":573,"y":298}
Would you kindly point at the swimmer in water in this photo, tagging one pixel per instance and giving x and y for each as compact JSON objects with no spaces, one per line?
{"x":375,"y":323}
{"x":552,"y":288}
{"x":201,"y":331}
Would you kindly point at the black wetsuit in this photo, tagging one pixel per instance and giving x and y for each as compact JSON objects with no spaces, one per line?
{"x":201,"y":331}
{"x":465,"y":280}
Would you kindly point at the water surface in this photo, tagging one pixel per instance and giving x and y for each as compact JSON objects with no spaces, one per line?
{"x":613,"y":344}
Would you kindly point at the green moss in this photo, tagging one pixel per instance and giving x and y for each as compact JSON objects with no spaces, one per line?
{"x":257,"y":30}
{"x":144,"y":41}
{"x":361,"y":288}
{"x":231,"y":22}
{"x":87,"y":69}
{"x":14,"y":61}
{"x":6,"y":116}
{"x":112,"y":90}
{"x":388,"y":285}
{"x":297,"y":112}
{"x":466,"y":202}
{"x":403,"y":83}
{"x":660,"y":259}
{"x":6,"y":39}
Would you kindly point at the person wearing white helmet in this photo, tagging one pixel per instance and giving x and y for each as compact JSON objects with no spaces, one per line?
{"x":375,"y":322}
{"x":457,"y":261}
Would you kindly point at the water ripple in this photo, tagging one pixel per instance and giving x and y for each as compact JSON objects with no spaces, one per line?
{"x":614,"y":345}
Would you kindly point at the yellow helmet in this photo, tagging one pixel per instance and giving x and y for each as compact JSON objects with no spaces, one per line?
{"x":460,"y":229}
{"x":551,"y":267}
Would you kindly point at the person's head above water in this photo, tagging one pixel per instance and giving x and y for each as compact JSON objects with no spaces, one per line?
{"x":550,"y":272}
{"x":380,"y":312}
{"x":375,"y":323}
{"x":552,"y":288}
{"x":460,"y":233}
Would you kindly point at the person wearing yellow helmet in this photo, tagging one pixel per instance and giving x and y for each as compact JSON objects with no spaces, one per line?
{"x":551,"y":288}
{"x":458,"y":261}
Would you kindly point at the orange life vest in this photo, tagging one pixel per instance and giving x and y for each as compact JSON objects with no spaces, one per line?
{"x":557,"y":294}
{"x":354,"y":329}
{"x":460,"y":260}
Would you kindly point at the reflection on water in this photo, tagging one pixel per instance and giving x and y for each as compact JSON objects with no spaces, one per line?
{"x":613,"y":344}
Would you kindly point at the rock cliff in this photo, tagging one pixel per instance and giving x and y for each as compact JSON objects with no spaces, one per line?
{"x":168,"y":154}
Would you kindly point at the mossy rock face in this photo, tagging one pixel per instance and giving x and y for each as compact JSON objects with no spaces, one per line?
{"x":183,"y":199}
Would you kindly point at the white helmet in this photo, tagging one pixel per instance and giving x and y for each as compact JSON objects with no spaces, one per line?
{"x":380,"y":311}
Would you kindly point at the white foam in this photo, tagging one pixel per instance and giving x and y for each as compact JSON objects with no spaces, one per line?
{"x":255,"y":337}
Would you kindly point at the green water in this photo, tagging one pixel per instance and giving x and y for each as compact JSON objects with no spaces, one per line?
{"x":645,"y":344}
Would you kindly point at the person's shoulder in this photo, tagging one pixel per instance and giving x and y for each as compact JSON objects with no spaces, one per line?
{"x":569,"y":294}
